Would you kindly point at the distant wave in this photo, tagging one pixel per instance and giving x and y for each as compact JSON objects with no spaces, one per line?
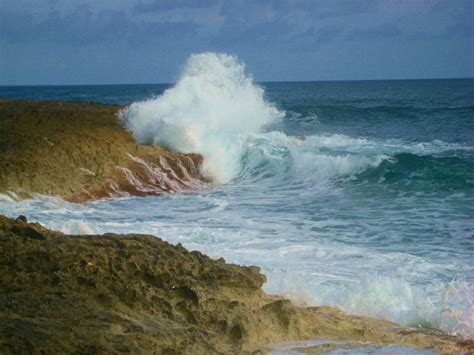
{"x":422,"y":173}
{"x":354,"y":113}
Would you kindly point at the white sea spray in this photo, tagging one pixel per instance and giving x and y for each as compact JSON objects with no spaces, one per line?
{"x":212,"y":104}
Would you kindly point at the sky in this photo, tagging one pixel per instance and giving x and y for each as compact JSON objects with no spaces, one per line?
{"x":47,"y":42}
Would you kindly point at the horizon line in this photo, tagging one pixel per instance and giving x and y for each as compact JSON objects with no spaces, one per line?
{"x":258,"y":82}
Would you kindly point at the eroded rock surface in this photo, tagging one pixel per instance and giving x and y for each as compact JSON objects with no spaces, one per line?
{"x":139,"y":294}
{"x":80,"y":151}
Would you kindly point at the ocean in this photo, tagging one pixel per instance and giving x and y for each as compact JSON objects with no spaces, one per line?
{"x":354,"y":194}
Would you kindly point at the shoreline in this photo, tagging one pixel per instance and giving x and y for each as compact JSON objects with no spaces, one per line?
{"x":112,"y":292}
{"x":130,"y":293}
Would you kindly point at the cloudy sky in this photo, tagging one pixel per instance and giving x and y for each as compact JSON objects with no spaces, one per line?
{"x":148,"y":41}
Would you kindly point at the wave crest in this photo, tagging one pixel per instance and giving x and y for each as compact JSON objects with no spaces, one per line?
{"x":216,"y":110}
{"x":213,"y":102}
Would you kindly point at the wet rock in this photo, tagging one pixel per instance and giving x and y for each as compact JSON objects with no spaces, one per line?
{"x":22,"y":218}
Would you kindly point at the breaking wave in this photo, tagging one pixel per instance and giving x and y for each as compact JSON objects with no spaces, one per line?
{"x":211,"y":106}
{"x":216,"y":110}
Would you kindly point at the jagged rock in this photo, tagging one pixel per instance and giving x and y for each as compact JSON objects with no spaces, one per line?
{"x":138,"y":294}
{"x":81,"y":152}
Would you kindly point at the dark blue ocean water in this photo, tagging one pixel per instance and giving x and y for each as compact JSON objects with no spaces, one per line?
{"x":408,"y":109}
{"x":373,"y":212}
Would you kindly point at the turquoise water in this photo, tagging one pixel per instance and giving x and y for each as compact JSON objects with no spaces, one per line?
{"x":372,"y":212}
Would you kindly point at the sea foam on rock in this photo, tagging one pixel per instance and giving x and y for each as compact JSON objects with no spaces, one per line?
{"x":213,"y":104}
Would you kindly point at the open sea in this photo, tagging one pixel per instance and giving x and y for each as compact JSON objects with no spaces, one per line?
{"x":355,"y":194}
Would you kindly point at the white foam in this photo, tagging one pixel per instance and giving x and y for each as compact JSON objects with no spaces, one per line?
{"x":77,"y":228}
{"x":212,"y":104}
{"x":7,"y":198}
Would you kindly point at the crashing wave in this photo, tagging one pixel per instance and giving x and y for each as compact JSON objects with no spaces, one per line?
{"x":210,"y":108}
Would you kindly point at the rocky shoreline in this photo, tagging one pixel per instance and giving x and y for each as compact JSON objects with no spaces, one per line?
{"x":80,"y":152}
{"x":136,"y":293}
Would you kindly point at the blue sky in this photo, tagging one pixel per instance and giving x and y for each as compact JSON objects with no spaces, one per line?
{"x":148,"y":41}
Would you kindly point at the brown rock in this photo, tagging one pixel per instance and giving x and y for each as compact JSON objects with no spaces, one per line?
{"x":81,"y":152}
{"x":138,"y":294}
